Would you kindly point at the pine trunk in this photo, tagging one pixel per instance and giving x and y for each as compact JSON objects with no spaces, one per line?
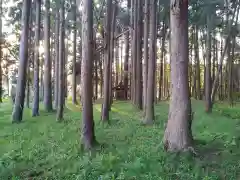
{"x":178,"y":136}
{"x":22,"y":70}
{"x":47,"y":60}
{"x":88,"y":136}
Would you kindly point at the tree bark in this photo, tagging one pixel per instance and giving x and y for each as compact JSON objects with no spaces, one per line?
{"x":35,"y":109}
{"x":145,"y":53}
{"x":149,"y":117}
{"x":61,"y":67}
{"x":88,"y":136}
{"x":196,"y":53}
{"x":126,"y":57}
{"x":139,"y":85}
{"x":178,"y":136}
{"x":22,"y":70}
{"x":74,"y":83}
{"x":208,"y":67}
{"x":107,"y":64}
{"x":47,"y":60}
{"x":161,"y":78}
{"x":56,"y":82}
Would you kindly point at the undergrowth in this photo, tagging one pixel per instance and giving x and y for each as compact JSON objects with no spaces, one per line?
{"x":41,"y":148}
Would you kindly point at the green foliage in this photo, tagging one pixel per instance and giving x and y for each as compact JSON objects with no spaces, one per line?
{"x":225,"y":110}
{"x":41,"y":148}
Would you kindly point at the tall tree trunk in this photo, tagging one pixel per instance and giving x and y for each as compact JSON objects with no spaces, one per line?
{"x":47,"y":60}
{"x":197,"y":61}
{"x":96,"y":76}
{"x":35,"y":109}
{"x":117,"y":62}
{"x":61,"y":67}
{"x":178,"y":136}
{"x":101,"y":74}
{"x":161,"y":82}
{"x":149,"y":117}
{"x":56,"y":82}
{"x":139,"y":86}
{"x":126,"y":64}
{"x":145,"y":53}
{"x":230,"y":73}
{"x":113,"y":24}
{"x":74,"y":83}
{"x":95,"y":67}
{"x":30,"y":55}
{"x":107,"y":64}
{"x":88,"y":136}
{"x":22,"y":70}
{"x":134,"y":50}
{"x":126,"y":57}
{"x":208,"y":67}
{"x":66,"y":49}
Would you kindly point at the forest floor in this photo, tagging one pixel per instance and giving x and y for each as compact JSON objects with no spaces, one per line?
{"x":41,"y":148}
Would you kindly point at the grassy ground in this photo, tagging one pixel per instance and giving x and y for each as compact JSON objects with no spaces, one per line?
{"x":41,"y":148}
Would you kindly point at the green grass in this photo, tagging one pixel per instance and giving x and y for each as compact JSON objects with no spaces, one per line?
{"x":41,"y":148}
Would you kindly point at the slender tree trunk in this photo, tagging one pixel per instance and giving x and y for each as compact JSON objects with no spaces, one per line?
{"x":230,"y":73}
{"x":107,"y":64}
{"x":61,"y":67}
{"x":145,"y":53}
{"x":47,"y":60}
{"x":126,"y":57}
{"x":35,"y":109}
{"x":116,"y":62}
{"x":161,"y":82}
{"x":66,"y":49}
{"x":178,"y":136}
{"x":22,"y":70}
{"x":134,"y":50}
{"x":139,"y":86}
{"x":88,"y":136}
{"x":196,"y":53}
{"x":126,"y":64}
{"x":74,"y":83}
{"x":149,"y":117}
{"x":96,"y":76}
{"x":30,"y":55}
{"x":208,"y":68}
{"x":101,"y":74}
{"x":56,"y":82}
{"x":113,"y":24}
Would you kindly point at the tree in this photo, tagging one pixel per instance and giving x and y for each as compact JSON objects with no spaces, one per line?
{"x":56,"y":65}
{"x":47,"y":60}
{"x":22,"y":70}
{"x":74,"y":85}
{"x":139,"y":30}
{"x":149,"y":116}
{"x":208,"y":79}
{"x":178,"y":136}
{"x":145,"y":53}
{"x":126,"y":57}
{"x":107,"y":64}
{"x":61,"y":67}
{"x":88,"y":136}
{"x":35,"y":109}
